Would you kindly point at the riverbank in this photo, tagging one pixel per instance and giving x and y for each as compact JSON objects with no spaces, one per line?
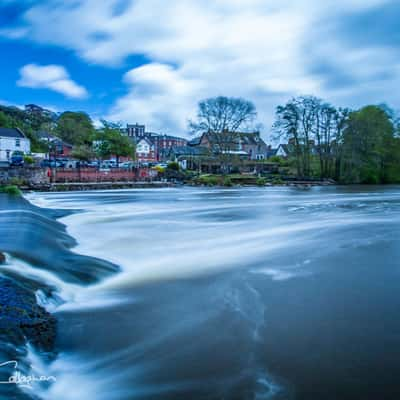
{"x":206,"y":182}
{"x":36,"y":266}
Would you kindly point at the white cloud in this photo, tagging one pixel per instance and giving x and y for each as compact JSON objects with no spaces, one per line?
{"x":53,"y":77}
{"x":256,"y":49}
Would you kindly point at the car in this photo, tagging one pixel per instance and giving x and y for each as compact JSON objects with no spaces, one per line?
{"x":51,"y":164}
{"x":17,"y":159}
{"x":126,"y":165}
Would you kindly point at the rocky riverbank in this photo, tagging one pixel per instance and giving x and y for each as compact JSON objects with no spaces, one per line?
{"x":32,"y":236}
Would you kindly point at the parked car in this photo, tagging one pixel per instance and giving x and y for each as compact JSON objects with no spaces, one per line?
{"x":126,"y":165}
{"x":51,"y":164}
{"x":109,"y":164}
{"x":17,"y":159}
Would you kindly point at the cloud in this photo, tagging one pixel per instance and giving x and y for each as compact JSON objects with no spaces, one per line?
{"x":53,"y":77}
{"x":262,"y":50}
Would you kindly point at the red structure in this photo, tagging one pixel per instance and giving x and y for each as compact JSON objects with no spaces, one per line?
{"x":112,"y":175}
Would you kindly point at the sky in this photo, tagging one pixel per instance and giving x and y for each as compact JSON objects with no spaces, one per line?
{"x":152,"y":61}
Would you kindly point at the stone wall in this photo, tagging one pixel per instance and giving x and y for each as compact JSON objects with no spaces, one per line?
{"x":29,"y":176}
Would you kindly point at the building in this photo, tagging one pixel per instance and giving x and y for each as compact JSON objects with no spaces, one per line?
{"x":135,"y":131}
{"x":150,"y":146}
{"x":165,"y":142}
{"x":57,"y":147}
{"x":283,"y":150}
{"x":145,"y":150}
{"x":13,"y":139}
{"x":246,"y":145}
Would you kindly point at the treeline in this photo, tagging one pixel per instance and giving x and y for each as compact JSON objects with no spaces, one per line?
{"x":348,"y":146}
{"x":75,"y":128}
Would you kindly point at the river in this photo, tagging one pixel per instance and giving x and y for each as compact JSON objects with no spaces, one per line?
{"x":208,"y":293}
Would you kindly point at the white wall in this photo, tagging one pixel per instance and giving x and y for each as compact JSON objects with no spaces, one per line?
{"x":10,"y":144}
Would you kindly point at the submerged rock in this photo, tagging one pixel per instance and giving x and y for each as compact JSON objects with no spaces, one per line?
{"x":22,"y":317}
{"x":2,"y":258}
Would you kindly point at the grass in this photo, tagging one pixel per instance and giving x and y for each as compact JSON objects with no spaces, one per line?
{"x":10,"y":190}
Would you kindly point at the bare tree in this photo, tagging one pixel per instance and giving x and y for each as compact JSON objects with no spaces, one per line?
{"x":221,"y":118}
{"x":313,"y":128}
{"x":223,"y":114}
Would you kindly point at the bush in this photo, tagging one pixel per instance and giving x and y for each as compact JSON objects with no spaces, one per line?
{"x":173,"y":166}
{"x":209,"y":180}
{"x":276,"y":159}
{"x":227,"y":182}
{"x":17,"y":181}
{"x":29,"y":160}
{"x":261,"y":182}
{"x":277,"y":181}
{"x":11,"y":190}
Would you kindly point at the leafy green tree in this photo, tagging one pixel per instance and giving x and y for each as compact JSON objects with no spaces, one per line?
{"x":5,"y":120}
{"x":370,"y":148}
{"x":113,"y":143}
{"x":75,"y":128}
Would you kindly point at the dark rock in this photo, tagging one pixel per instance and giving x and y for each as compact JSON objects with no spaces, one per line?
{"x":2,"y":258}
{"x":22,"y":317}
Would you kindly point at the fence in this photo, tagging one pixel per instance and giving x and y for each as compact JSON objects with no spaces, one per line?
{"x":65,"y":175}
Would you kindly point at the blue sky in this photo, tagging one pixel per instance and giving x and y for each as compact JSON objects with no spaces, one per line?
{"x":151,"y":61}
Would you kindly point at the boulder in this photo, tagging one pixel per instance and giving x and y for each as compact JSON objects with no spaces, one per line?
{"x":22,"y":317}
{"x":2,"y":258}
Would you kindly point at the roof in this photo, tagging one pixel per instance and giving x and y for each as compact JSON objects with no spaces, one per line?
{"x":187,"y":151}
{"x":12,"y":133}
{"x":46,"y":136}
{"x":246,"y":138}
{"x":196,"y":141}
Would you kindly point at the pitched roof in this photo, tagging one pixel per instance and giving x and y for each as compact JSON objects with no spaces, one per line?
{"x":12,"y":133}
{"x":196,"y":141}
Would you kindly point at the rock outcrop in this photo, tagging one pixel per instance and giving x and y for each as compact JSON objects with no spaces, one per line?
{"x":22,"y":317}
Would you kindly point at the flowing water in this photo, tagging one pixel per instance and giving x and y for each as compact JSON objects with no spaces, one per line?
{"x":197,"y":293}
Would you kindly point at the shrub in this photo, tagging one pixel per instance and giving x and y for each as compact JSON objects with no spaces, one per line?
{"x":276,"y":159}
{"x":261,"y":182}
{"x":173,"y":166}
{"x":11,"y":190}
{"x":209,"y":180}
{"x":277,"y":181}
{"x":227,"y":182}
{"x":17,"y":181}
{"x":29,"y":160}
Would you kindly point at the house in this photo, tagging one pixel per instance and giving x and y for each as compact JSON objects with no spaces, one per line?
{"x":145,"y":150}
{"x":13,"y":139}
{"x":286,"y":150}
{"x":246,"y":145}
{"x":283,"y":150}
{"x":151,"y":142}
{"x":57,"y":146}
{"x":164,"y":142}
{"x":188,"y":157}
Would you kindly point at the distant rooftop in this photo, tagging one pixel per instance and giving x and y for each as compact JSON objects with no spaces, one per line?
{"x":11,"y":133}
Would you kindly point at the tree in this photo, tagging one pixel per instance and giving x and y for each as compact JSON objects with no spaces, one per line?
{"x":223,"y":114}
{"x":5,"y":121}
{"x":370,"y":147}
{"x":314,"y":131}
{"x":75,"y":128}
{"x":113,"y":143}
{"x":222,"y":118}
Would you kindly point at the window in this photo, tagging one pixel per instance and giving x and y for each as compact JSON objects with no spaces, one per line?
{"x":17,"y":142}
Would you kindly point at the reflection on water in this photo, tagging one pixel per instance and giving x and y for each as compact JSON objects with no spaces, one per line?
{"x":271,"y":293}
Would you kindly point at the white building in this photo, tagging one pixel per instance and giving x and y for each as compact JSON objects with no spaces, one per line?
{"x":13,"y":139}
